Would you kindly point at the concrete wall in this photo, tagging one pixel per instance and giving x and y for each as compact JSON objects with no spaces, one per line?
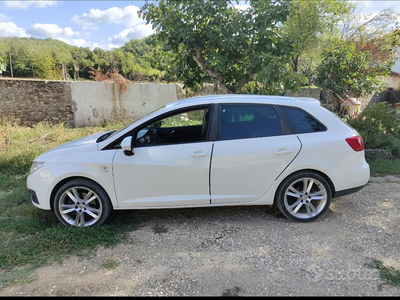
{"x":98,"y":102}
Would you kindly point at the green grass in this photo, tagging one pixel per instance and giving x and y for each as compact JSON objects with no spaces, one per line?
{"x":381,"y":166}
{"x":30,"y":237}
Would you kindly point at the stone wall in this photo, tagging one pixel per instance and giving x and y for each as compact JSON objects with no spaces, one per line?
{"x":32,"y":101}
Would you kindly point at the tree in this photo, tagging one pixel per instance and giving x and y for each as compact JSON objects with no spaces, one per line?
{"x":310,"y":26}
{"x":310,"y":22}
{"x":214,"y":40}
{"x":365,"y":51}
{"x":349,"y":72}
{"x":46,"y":66}
{"x":3,"y":65}
{"x":377,"y":33}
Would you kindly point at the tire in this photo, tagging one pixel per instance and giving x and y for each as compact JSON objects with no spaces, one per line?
{"x":82,"y":203}
{"x":304,"y":196}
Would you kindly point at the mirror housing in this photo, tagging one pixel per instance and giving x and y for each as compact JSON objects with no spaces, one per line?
{"x":126,"y":146}
{"x":158,"y":124}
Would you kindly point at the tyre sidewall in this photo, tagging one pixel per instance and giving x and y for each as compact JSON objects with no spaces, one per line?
{"x":280,"y":195}
{"x":105,"y":200}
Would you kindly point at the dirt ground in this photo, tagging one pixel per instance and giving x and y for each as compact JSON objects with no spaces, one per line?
{"x":241,"y":251}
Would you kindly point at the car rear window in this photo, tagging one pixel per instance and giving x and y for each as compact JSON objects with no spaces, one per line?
{"x":301,"y":121}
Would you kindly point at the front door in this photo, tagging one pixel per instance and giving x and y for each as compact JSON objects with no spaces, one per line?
{"x":170,"y":165}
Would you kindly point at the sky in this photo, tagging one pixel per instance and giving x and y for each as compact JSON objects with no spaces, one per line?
{"x":104,"y":24}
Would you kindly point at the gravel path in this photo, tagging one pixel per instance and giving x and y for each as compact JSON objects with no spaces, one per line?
{"x":244,"y":251}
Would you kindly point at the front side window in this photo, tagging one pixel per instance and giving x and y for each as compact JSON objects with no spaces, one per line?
{"x":239,"y":121}
{"x":183,"y":127}
{"x":301,"y":121}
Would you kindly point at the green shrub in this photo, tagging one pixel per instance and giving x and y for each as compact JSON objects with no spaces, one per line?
{"x":379,"y":127}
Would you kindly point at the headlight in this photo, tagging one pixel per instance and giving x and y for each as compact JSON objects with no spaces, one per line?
{"x":36,"y":165}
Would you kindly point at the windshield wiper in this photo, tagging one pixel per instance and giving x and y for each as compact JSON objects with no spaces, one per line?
{"x":104,"y":136}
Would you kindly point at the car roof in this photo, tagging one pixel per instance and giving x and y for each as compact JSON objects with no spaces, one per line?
{"x":243,"y":98}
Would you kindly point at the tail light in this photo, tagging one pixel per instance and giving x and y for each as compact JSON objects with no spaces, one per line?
{"x":356,"y":143}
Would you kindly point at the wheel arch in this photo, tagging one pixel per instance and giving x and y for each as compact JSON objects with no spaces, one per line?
{"x":64,"y":181}
{"x":326,"y":177}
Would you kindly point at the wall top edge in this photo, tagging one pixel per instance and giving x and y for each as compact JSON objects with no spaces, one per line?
{"x":70,"y":81}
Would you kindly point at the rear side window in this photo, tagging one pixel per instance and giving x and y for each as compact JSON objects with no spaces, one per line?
{"x":241,"y":121}
{"x":301,"y":121}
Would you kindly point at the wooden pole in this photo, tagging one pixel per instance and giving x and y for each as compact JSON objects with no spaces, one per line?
{"x":11,"y":67}
{"x":64,"y":71}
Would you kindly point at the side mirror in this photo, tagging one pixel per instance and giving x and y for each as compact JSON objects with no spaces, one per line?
{"x":158,"y":124}
{"x":126,"y":146}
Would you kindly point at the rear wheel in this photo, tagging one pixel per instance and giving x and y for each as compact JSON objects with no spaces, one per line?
{"x":304,"y":196}
{"x":82,"y":203}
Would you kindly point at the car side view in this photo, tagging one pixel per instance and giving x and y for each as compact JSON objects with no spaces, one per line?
{"x":219,"y":150}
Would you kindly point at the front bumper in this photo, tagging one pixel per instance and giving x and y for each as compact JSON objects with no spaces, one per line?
{"x":39,"y":184}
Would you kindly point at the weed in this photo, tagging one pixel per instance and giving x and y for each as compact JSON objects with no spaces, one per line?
{"x":232,"y":292}
{"x":389,"y":275}
{"x":159,"y":229}
{"x":110,"y":264}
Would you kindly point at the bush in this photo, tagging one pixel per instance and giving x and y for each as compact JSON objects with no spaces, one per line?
{"x":379,"y":127}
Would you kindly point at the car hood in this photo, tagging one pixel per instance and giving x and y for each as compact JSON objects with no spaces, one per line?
{"x":84,"y":144}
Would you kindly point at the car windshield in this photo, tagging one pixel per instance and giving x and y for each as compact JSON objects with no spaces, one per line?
{"x":115,"y":132}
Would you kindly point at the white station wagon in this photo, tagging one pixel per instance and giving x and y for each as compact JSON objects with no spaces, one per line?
{"x":220,"y":150}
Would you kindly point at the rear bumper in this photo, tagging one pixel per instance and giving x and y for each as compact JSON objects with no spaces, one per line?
{"x":348,"y":191}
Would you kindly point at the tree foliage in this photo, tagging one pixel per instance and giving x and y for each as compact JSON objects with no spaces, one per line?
{"x":39,"y":58}
{"x":355,"y":61}
{"x":349,"y":72}
{"x":310,"y":27}
{"x":3,"y":64}
{"x":310,"y":23}
{"x":214,"y":40}
{"x":45,"y":66}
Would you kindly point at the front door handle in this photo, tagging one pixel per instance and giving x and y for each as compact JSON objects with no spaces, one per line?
{"x":199,"y":154}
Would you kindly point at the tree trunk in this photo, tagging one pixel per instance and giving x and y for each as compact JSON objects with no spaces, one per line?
{"x":216,"y":77}
{"x":295,"y":63}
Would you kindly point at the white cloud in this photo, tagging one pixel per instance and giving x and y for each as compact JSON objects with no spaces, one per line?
{"x":51,"y":30}
{"x":96,"y":17}
{"x":4,"y":18}
{"x":80,"y":43}
{"x":136,"y":32}
{"x":14,"y":4}
{"x":9,"y":29}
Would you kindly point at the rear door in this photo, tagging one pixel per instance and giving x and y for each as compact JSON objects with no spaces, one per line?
{"x":253,"y":147}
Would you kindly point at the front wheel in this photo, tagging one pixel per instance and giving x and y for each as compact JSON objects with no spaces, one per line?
{"x":304,"y":196}
{"x":82,"y":203}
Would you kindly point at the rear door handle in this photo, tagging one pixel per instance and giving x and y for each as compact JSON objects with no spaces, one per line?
{"x":283,"y":151}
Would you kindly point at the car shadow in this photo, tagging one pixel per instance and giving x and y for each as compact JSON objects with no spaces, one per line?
{"x":180,"y":215}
